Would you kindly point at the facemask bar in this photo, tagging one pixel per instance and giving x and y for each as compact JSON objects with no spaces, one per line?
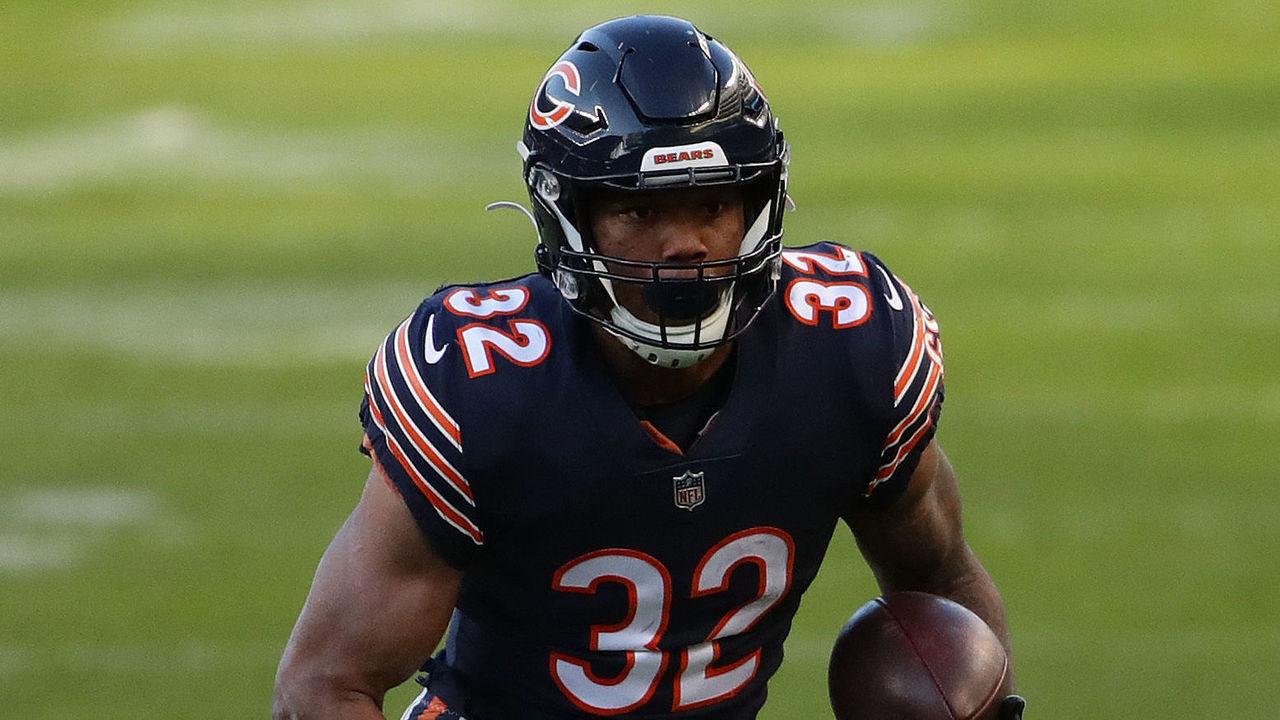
{"x":587,"y":279}
{"x":721,"y":278}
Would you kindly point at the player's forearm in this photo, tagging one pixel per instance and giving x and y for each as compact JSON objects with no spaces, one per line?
{"x":314,"y":684}
{"x":978,"y":592}
{"x":296,"y":699}
{"x":968,"y":583}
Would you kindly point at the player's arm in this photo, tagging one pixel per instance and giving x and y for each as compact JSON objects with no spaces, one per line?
{"x":380,"y":601}
{"x":917,"y":543}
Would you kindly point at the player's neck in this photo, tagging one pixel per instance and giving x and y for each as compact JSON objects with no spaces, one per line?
{"x":647,"y":384}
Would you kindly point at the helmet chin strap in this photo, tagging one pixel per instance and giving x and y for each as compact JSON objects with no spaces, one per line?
{"x":712,"y":328}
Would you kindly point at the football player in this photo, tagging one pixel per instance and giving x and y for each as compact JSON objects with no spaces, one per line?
{"x":612,"y":480}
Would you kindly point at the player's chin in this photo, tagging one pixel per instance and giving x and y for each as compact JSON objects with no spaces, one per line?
{"x":675,"y":302}
{"x":674,"y":315}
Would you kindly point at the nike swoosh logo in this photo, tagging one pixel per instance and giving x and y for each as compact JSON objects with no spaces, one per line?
{"x":895,"y":300}
{"x":433,"y":354}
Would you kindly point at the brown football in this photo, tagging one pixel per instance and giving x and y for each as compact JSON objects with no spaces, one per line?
{"x":915,"y":656}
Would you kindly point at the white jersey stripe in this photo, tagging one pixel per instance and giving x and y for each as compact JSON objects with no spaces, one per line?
{"x":419,"y":390}
{"x":901,"y":382}
{"x":443,"y":508}
{"x":898,"y":448}
{"x":923,"y":400}
{"x":920,"y":345}
{"x":887,"y":470}
{"x":414,"y":434}
{"x":420,"y":442}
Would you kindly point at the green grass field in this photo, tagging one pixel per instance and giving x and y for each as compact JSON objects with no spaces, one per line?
{"x":210,"y":213}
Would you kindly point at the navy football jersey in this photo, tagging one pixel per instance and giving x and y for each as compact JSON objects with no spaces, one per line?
{"x":606,"y":571}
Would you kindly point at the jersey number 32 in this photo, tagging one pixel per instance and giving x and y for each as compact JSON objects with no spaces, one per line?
{"x":648,"y":585}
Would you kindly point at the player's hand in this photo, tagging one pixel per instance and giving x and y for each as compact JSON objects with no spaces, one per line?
{"x":1011,"y":707}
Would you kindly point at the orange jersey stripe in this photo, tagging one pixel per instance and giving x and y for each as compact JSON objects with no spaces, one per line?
{"x":433,"y":710}
{"x":916,"y":354}
{"x":887,"y":470}
{"x":658,"y":437}
{"x":420,"y":442}
{"x":450,"y":514}
{"x":425,"y":399}
{"x":426,"y":449}
{"x":923,"y":400}
{"x":910,"y":367}
{"x":924,"y":406}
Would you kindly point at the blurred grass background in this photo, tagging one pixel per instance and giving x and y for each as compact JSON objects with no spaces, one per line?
{"x":211,"y":212}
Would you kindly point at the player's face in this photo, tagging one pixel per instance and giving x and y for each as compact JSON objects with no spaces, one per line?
{"x":678,"y":226}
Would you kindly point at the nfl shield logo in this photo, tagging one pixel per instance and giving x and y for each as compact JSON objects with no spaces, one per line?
{"x":690,"y":490}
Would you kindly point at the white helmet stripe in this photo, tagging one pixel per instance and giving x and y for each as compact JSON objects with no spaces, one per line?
{"x":755,"y":234}
{"x":605,"y":282}
{"x":571,"y":234}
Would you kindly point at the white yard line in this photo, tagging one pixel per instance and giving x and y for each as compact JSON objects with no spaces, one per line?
{"x":80,"y":508}
{"x":179,"y":27}
{"x":170,"y":144}
{"x":153,"y":658}
{"x":49,"y":529}
{"x":222,"y":324}
{"x":887,"y":25}
{"x":22,"y":554}
{"x":182,"y":24}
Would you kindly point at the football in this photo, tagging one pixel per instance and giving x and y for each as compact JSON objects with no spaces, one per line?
{"x":916,"y":656}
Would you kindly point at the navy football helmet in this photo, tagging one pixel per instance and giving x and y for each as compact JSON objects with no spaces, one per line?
{"x":642,"y":103}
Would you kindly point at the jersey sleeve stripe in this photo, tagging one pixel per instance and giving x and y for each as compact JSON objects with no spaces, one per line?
{"x":922,"y":403}
{"x":898,"y":449}
{"x":887,"y":470}
{"x":416,"y":438}
{"x":441,"y":419}
{"x":911,"y":366}
{"x":443,"y":508}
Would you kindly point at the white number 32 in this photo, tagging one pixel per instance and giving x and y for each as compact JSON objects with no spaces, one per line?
{"x":648,"y":585}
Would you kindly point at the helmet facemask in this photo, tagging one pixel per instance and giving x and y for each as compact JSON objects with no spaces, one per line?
{"x":672,"y":314}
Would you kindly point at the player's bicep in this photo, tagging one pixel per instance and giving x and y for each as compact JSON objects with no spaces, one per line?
{"x":380,"y":601}
{"x":915,"y":542}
